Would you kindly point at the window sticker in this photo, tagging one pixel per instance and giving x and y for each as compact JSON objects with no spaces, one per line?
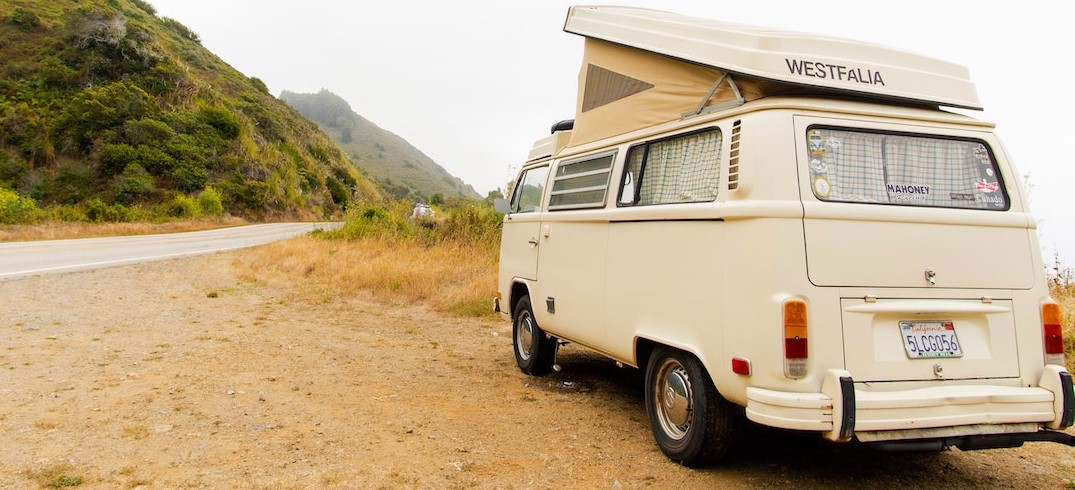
{"x":818,"y":166}
{"x":833,"y":143}
{"x":822,"y":187}
{"x":817,"y":143}
{"x":908,"y":192}
{"x":987,"y":187}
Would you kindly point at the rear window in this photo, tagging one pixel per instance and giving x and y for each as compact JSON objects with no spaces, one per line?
{"x":902,"y":169}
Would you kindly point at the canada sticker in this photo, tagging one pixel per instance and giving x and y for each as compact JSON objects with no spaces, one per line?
{"x":987,"y":187}
{"x":822,"y":187}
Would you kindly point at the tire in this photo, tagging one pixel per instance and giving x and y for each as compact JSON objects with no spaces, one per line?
{"x":535,"y":352}
{"x":692,"y":423}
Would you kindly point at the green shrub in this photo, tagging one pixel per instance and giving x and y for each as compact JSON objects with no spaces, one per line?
{"x":180,"y":29}
{"x":115,"y":158}
{"x":339,"y":194}
{"x":472,"y":224}
{"x":210,"y":202}
{"x":15,"y":208}
{"x":24,"y":19}
{"x":189,"y":176}
{"x":145,"y":6}
{"x":253,"y":194}
{"x":66,"y":213}
{"x":368,"y":221}
{"x":181,"y":207}
{"x":100,"y":212}
{"x":221,"y":120}
{"x":133,"y":185}
{"x":259,"y":85}
{"x":147,"y":130}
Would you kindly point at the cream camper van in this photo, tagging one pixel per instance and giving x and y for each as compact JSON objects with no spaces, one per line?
{"x":788,"y":226}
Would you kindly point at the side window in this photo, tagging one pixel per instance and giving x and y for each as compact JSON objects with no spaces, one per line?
{"x":581,"y":183}
{"x":529,"y":189}
{"x":680,"y":169}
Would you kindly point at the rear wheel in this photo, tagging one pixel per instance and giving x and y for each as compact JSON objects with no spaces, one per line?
{"x":535,"y":352}
{"x":692,"y":423}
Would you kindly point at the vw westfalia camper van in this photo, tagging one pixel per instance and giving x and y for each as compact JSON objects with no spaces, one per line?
{"x":790,"y":226}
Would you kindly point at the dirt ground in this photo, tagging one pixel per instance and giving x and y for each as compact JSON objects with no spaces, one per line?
{"x":189,"y":373}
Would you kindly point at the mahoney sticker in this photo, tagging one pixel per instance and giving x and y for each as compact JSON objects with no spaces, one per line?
{"x":908,"y":192}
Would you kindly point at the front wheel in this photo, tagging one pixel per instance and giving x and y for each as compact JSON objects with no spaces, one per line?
{"x":535,"y":352}
{"x":692,"y":423}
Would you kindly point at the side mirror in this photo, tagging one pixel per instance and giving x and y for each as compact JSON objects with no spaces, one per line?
{"x":501,"y":205}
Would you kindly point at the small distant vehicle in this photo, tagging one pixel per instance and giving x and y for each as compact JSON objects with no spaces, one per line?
{"x":790,"y":227}
{"x":421,"y":210}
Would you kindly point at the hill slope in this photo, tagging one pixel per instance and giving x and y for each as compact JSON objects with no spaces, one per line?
{"x":402,"y":169}
{"x":102,"y":100}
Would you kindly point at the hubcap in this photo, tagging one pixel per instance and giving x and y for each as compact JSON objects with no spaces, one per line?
{"x":524,"y":336}
{"x":674,"y":402}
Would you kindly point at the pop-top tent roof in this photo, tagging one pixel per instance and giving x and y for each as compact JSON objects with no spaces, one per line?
{"x":643,"y":67}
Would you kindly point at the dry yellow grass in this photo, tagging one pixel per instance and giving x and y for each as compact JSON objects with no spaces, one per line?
{"x":448,"y":277}
{"x":57,"y":230}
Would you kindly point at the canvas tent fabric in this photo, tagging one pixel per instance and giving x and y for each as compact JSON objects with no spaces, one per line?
{"x":645,"y":67}
{"x":622,"y":89}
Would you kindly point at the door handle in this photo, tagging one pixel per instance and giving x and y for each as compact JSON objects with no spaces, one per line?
{"x":533,"y":242}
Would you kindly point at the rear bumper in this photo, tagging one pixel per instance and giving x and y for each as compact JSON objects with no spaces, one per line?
{"x":842,"y":411}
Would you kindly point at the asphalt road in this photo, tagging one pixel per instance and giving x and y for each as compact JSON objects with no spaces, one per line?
{"x":19,"y":259}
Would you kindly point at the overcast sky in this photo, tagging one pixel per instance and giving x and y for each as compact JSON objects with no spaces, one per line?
{"x":473,"y":83}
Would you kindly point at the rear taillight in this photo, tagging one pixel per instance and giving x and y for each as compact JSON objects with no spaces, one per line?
{"x":795,"y":345}
{"x":1053,"y":331}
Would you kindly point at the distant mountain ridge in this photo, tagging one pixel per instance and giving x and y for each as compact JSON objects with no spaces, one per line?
{"x":401,"y":169}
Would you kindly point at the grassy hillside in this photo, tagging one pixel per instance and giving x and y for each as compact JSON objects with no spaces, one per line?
{"x":108,"y":111}
{"x":400,"y":168}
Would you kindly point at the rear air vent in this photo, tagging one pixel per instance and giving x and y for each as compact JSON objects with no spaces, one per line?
{"x":733,"y":159}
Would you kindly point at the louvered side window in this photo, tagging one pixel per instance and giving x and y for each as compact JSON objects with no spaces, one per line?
{"x":581,"y":184}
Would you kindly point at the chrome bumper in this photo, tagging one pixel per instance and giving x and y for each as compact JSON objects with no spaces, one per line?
{"x":840,"y":411}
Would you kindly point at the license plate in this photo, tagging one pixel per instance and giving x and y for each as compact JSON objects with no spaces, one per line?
{"x":930,"y":339}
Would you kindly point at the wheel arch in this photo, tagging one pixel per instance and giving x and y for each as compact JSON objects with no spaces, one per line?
{"x":519,"y":288}
{"x":645,"y":346}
